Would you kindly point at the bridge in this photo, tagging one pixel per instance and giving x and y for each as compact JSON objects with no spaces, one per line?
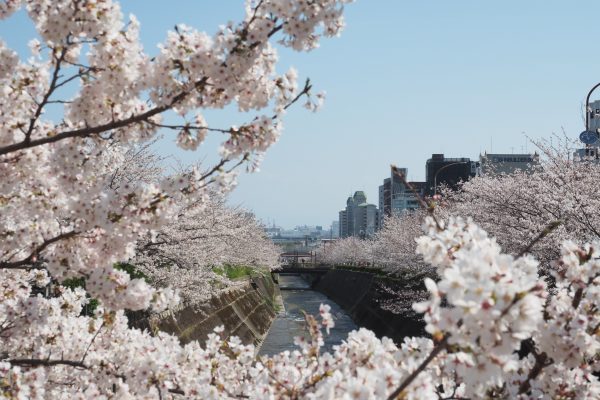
{"x":297,"y":257}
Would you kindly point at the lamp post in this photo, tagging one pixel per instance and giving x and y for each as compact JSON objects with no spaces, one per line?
{"x":440,"y":170}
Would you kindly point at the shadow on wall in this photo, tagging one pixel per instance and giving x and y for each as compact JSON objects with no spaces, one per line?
{"x":377,"y":303}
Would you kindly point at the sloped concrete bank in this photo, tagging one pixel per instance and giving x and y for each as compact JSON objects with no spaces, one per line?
{"x":368,"y":299}
{"x":245,"y":310}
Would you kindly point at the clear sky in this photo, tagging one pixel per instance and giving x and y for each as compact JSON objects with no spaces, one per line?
{"x":406,"y":79}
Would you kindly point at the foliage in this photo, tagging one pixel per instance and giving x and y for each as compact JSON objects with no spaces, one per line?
{"x":131,"y":270}
{"x":234,"y":271}
{"x":392,"y":249}
{"x":188,"y":253}
{"x":350,"y":251}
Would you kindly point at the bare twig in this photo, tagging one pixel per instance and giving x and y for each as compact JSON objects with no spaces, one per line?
{"x":90,"y":344}
{"x":51,"y":89}
{"x":305,"y":90}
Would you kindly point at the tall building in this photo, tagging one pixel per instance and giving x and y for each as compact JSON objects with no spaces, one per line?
{"x":359,"y":218}
{"x":594,"y":116}
{"x":440,"y":170}
{"x":506,"y":163}
{"x":591,"y":153}
{"x":395,"y":197}
{"x":343,"y":224}
{"x":385,"y":200}
{"x":335,"y":230}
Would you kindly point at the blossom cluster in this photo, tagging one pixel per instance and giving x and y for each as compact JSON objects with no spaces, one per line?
{"x":100,"y":357}
{"x":73,"y":213}
{"x":515,"y":208}
{"x":392,"y":248}
{"x":478,"y":320}
{"x":187,"y":253}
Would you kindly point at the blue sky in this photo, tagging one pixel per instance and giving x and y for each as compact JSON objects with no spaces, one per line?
{"x":406,"y":79}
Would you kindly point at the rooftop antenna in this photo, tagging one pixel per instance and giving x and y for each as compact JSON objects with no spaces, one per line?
{"x":491,"y":145}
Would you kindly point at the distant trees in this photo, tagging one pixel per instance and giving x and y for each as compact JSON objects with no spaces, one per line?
{"x":185,"y":254}
{"x":517,"y":208}
{"x":393,"y":248}
{"x":350,"y":251}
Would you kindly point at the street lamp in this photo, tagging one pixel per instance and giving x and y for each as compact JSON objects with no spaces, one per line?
{"x":443,"y":168}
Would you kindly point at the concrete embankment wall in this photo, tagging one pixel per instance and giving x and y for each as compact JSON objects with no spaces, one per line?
{"x":245,"y":310}
{"x":365,"y":297}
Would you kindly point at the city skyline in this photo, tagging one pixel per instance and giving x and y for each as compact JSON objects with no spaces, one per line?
{"x":456,"y":78}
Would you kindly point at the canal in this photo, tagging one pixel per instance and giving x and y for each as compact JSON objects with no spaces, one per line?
{"x":297,"y":297}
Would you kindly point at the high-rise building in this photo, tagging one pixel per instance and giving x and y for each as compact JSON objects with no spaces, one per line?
{"x":335,"y":230}
{"x":440,"y":170}
{"x":395,"y":197}
{"x":359,"y":218}
{"x":343,"y":224}
{"x":507,"y":163}
{"x":385,"y":200}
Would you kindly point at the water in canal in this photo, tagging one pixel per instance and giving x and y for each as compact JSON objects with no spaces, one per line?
{"x":297,"y":296}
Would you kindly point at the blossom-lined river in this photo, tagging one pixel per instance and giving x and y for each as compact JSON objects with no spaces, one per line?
{"x":297,"y":297}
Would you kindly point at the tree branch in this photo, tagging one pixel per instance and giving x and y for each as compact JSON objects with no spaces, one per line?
{"x":44,"y":101}
{"x":547,"y":230}
{"x":26,"y":263}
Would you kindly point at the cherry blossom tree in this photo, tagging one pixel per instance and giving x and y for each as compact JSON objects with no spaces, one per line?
{"x":184,"y":254}
{"x":486,"y":306}
{"x":351,"y":251}
{"x":394,"y":246}
{"x":62,"y":217}
{"x":65,"y":209}
{"x":517,"y":208}
{"x":73,"y":222}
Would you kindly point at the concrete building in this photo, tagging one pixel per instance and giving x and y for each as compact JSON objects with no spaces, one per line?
{"x":395,"y":197}
{"x":440,"y":170}
{"x":273,"y":231}
{"x":594,"y":116}
{"x":385,"y":200}
{"x":335,"y":230}
{"x":507,"y":163}
{"x":590,"y":153}
{"x":359,"y":218}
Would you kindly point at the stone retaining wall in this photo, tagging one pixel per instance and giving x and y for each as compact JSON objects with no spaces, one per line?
{"x":245,"y":310}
